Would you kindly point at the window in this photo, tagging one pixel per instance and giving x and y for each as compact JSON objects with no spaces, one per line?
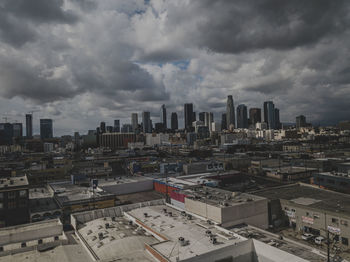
{"x":1,"y":249}
{"x":343,"y":183}
{"x":22,"y":193}
{"x":336,"y":238}
{"x":24,"y":244}
{"x":40,"y":241}
{"x":1,"y":196}
{"x":334,"y":220}
{"x":345,"y":241}
{"x":56,"y":238}
{"x":11,"y":204}
{"x":11,"y":195}
{"x":1,"y":205}
{"x":307,"y":214}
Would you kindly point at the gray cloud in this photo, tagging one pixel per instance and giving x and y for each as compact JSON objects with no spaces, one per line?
{"x":100,"y":60}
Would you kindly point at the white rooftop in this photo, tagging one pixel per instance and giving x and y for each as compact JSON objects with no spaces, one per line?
{"x":193,"y":231}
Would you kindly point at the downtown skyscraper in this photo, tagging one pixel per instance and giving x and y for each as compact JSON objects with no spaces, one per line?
{"x":269,"y":114}
{"x":134,"y":121}
{"x":230,"y":112}
{"x":29,"y":125}
{"x":46,"y":128}
{"x":188,"y":113}
{"x":254,"y":116}
{"x":146,"y":122}
{"x":163,"y":117}
{"x":242,"y":117}
{"x":174,"y":121}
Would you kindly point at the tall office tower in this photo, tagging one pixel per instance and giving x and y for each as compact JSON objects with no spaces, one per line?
{"x":29,"y":125}
{"x":116,"y":127}
{"x":6,"y":134}
{"x":103,"y":127}
{"x":188,"y":113}
{"x":134,"y":121}
{"x":109,"y":129}
{"x":163,"y":119}
{"x":242,"y":118}
{"x":201,"y":116}
{"x":230,"y":112}
{"x":194,"y":117}
{"x":146,"y":122}
{"x":254,"y":116}
{"x":300,"y":121}
{"x":206,"y":119}
{"x":277,"y":119}
{"x":17,"y":130}
{"x":269,"y":114}
{"x":223,"y":121}
{"x":46,"y":128}
{"x":174,"y":121}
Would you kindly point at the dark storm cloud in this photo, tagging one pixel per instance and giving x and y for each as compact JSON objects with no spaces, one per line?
{"x":238,"y":26}
{"x":274,"y":86}
{"x":19,"y":17}
{"x":39,"y":10}
{"x":26,"y":81}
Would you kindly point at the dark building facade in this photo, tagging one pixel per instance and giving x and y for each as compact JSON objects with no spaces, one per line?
{"x":163,"y":118}
{"x":201,"y":116}
{"x":223,"y":121}
{"x":188,"y":113}
{"x":14,"y":201}
{"x":116,"y":125}
{"x":269,"y":114}
{"x":6,"y":134}
{"x":46,"y":128}
{"x":230,"y":112}
{"x":103,"y":127}
{"x":254,"y":116}
{"x":242,"y":118}
{"x":146,"y":122}
{"x":300,"y":121}
{"x":174,"y":121}
{"x":29,"y":125}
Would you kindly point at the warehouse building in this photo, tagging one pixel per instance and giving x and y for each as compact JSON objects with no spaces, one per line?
{"x":309,"y":209}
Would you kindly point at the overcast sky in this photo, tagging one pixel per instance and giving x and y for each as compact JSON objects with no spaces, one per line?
{"x":80,"y":62}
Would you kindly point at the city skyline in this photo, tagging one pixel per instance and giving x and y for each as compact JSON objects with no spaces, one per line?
{"x":161,"y":57}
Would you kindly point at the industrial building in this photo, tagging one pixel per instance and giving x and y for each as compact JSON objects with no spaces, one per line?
{"x":310,"y":209}
{"x":156,"y":232}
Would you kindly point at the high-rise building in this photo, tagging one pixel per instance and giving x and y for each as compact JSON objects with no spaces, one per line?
{"x":134,"y":121}
{"x":6,"y":134}
{"x":109,"y":129}
{"x":301,"y":121}
{"x":103,"y":127}
{"x":223,"y":121}
{"x":277,"y":119}
{"x":188,"y":113}
{"x":146,"y":122}
{"x":194,"y":117}
{"x":201,"y":116}
{"x":230,"y":112}
{"x":163,"y":119}
{"x":17,"y":130}
{"x":242,"y":118}
{"x":254,"y":116}
{"x":46,"y":128}
{"x":116,"y":127}
{"x":29,"y":125}
{"x":127,"y":128}
{"x":174,"y":121}
{"x":269,"y":114}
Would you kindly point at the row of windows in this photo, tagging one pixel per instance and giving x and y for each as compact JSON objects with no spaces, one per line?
{"x":24,"y":244}
{"x":12,"y":194}
{"x":331,"y":181}
{"x":317,"y":216}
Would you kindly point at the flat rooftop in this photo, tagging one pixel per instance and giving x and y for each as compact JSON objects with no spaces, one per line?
{"x":175,"y":226}
{"x":117,"y":239}
{"x":121,"y":180}
{"x":13,"y":181}
{"x":67,"y":192}
{"x":291,"y":247}
{"x":40,"y":192}
{"x":215,"y":196}
{"x":310,"y":196}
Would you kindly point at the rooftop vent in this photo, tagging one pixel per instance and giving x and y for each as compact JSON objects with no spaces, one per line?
{"x":189,"y":217}
{"x":213,"y":240}
{"x":145,"y":214}
{"x":183,"y":242}
{"x":100,"y":235}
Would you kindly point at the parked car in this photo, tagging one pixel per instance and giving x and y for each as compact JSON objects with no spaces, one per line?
{"x":307,"y":236}
{"x":319,"y":240}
